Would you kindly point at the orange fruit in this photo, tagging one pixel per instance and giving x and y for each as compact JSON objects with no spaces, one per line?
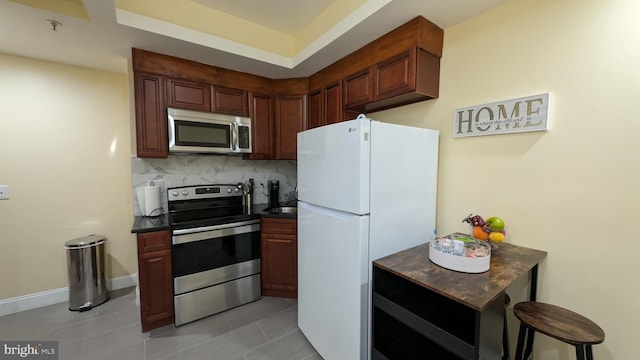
{"x":478,"y":233}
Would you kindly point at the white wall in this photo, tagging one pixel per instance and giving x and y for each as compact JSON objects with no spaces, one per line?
{"x":571,"y":191}
{"x":65,"y":154}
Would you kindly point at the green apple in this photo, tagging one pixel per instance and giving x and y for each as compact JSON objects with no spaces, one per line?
{"x":495,"y":223}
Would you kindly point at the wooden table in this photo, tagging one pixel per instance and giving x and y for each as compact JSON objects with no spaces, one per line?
{"x":424,"y":311}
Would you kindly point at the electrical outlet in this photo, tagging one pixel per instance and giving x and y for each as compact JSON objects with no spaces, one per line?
{"x":155,"y":183}
{"x":4,"y":192}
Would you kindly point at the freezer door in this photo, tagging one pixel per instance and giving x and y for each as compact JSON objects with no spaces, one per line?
{"x":333,"y":166}
{"x":333,"y":281}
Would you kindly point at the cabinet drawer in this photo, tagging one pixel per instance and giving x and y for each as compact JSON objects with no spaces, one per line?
{"x":279,"y":226}
{"x":154,"y":241}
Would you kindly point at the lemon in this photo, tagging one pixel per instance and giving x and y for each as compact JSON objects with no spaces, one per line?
{"x":496,"y":237}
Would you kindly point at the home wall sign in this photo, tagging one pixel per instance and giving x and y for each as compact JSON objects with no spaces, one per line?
{"x":523,"y":114}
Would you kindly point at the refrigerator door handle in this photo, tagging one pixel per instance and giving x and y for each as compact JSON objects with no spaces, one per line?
{"x":326,"y":211}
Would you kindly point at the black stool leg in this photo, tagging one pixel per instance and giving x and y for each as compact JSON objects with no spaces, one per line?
{"x":528,"y":350}
{"x":589,"y":352}
{"x":580,"y":352}
{"x":520,"y":346}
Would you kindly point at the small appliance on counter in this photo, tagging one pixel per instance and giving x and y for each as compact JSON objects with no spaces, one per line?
{"x":274,"y":193}
{"x":247,"y":189}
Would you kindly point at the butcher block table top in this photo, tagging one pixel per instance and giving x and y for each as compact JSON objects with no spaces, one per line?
{"x":508,"y":263}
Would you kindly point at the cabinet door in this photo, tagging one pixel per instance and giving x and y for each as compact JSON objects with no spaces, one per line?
{"x":151,"y":121}
{"x":279,"y":265}
{"x":291,"y":113}
{"x":395,"y":76}
{"x":230,"y":101}
{"x":188,"y":95}
{"x":358,"y":89}
{"x":261,"y":127}
{"x":155,"y":280}
{"x":333,"y":103}
{"x":315,"y":118}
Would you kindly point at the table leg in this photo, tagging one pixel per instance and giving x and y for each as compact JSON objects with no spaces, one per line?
{"x":533,"y":292}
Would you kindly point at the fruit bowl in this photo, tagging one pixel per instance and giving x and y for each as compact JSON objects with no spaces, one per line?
{"x":461,"y":253}
{"x":491,"y":228}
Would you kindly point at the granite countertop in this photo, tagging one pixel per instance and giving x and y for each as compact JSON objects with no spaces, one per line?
{"x":143,"y":224}
{"x":259,"y":209}
{"x":508,"y":263}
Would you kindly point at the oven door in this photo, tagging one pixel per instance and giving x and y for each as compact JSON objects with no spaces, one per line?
{"x":214,"y":255}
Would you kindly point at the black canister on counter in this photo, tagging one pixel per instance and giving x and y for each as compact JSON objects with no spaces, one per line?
{"x":274,"y":192}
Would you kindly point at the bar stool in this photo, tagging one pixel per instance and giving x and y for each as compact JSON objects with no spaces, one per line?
{"x":559,"y":323}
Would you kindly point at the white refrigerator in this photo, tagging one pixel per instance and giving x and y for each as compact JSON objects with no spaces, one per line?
{"x":366,"y":189}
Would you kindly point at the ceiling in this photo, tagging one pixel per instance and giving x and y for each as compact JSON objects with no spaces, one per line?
{"x":275,"y":38}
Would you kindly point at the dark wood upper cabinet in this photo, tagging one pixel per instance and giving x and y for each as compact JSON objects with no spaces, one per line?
{"x":358,"y":89}
{"x":188,"y":95}
{"x":399,"y":68}
{"x":291,"y":114}
{"x":411,"y":76}
{"x":325,"y":106}
{"x":229,"y":101}
{"x":332,"y":101}
{"x":395,"y":76}
{"x":406,"y":78}
{"x":316,"y":115}
{"x":151,"y":123}
{"x":290,"y":110}
{"x":262,"y":126}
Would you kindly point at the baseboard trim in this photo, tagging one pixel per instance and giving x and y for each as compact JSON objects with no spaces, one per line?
{"x":56,"y":296}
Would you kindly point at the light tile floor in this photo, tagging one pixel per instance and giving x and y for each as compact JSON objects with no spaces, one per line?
{"x":263,"y":330}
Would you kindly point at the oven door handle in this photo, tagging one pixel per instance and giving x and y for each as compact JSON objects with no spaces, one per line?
{"x":214,"y":227}
{"x":212,"y":234}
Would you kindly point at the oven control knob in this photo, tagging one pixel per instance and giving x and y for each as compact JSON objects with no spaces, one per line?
{"x":185,"y":192}
{"x":229,"y":190}
{"x":236,"y":190}
{"x":175,"y":193}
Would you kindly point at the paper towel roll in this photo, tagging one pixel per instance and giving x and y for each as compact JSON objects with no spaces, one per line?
{"x":152,"y":206}
{"x":140,"y":197}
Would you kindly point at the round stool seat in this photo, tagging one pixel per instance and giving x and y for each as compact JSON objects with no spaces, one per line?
{"x":559,"y":323}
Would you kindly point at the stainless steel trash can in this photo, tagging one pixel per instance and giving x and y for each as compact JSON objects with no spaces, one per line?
{"x":86,"y":272}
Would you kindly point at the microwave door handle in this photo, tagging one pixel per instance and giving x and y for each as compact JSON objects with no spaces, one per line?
{"x":234,"y":137}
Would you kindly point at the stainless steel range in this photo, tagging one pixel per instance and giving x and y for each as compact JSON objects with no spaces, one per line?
{"x":216,"y":250}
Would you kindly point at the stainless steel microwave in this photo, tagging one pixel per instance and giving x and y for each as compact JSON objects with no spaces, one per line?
{"x":201,"y":132}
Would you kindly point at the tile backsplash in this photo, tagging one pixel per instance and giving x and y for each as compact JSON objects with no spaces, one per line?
{"x":185,"y":170}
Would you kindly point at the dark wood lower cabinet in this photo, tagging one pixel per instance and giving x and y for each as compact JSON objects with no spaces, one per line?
{"x":279,"y":243}
{"x":155,"y":280}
